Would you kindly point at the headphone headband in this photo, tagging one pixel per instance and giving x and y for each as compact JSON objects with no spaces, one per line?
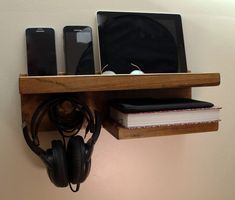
{"x":36,"y":149}
{"x":93,"y":126}
{"x":51,"y":105}
{"x":66,"y":164}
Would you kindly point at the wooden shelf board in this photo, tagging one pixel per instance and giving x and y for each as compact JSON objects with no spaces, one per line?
{"x":121,"y":132}
{"x":86,"y":83}
{"x":97,"y":100}
{"x":98,"y":90}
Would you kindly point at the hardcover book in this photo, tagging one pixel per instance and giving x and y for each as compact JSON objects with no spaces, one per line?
{"x":153,"y":112}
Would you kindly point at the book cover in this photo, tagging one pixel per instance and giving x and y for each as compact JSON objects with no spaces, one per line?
{"x":151,"y":104}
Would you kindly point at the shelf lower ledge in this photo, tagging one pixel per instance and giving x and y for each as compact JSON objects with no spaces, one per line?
{"x":121,"y":132}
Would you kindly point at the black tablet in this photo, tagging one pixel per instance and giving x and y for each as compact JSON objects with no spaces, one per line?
{"x":152,"y":42}
{"x":150,"y":104}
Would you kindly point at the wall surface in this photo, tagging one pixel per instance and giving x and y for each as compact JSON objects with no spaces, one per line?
{"x":186,"y":167}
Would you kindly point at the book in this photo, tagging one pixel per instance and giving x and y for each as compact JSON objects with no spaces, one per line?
{"x":151,"y":112}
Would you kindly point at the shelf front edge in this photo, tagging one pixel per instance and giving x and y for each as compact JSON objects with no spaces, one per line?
{"x":85,"y":83}
{"x":120,"y":132}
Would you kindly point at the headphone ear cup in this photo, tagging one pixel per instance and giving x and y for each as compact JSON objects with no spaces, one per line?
{"x":58,"y":170}
{"x":87,"y":165}
{"x":76,"y":158}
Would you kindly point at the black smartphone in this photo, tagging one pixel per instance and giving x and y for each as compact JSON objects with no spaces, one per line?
{"x":78,"y":49}
{"x":41,"y":53}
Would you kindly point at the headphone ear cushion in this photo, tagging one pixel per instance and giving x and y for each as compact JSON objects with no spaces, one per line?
{"x":75,"y":159}
{"x":58,"y":170}
{"x":87,"y":168}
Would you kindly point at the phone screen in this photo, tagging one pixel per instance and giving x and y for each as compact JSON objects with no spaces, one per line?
{"x":78,"y":49}
{"x":41,"y":55}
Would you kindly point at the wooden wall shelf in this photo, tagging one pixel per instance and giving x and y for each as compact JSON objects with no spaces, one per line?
{"x":86,"y":83}
{"x":98,"y":90}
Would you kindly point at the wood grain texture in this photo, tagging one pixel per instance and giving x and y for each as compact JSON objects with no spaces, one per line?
{"x":97,"y":90}
{"x":121,"y":132}
{"x":85,"y":83}
{"x":95,"y":100}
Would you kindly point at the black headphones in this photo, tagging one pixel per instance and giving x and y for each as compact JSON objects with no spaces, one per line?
{"x":71,"y":165}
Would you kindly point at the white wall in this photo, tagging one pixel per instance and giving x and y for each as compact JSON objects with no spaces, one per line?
{"x":186,"y":167}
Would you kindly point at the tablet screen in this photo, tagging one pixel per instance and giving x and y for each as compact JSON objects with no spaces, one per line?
{"x":152,"y":42}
